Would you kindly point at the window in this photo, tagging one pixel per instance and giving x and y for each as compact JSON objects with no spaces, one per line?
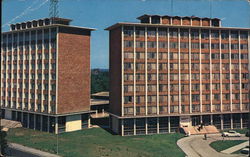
{"x":195,"y":45}
{"x":128,"y":31}
{"x":204,"y":46}
{"x":225,"y":46}
{"x":140,"y":55}
{"x":140,"y":66}
{"x":184,"y":45}
{"x":162,"y":33}
{"x":151,"y":66}
{"x":151,"y":55}
{"x":140,"y":32}
{"x":194,"y":34}
{"x":173,"y":33}
{"x":140,"y":77}
{"x":224,"y":34}
{"x":184,"y":33}
{"x":151,"y":44}
{"x":128,"y":88}
{"x":234,"y":35}
{"x":173,"y":45}
{"x":128,"y":77}
{"x":204,"y":34}
{"x":214,"y":46}
{"x":128,"y":66}
{"x":214,"y":34}
{"x":163,"y":55}
{"x":140,"y":88}
{"x":140,"y":44}
{"x":163,"y":44}
{"x":128,"y":55}
{"x":151,"y":32}
{"x":128,"y":99}
{"x":128,"y":43}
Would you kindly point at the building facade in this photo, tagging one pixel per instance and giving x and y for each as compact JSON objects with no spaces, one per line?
{"x":45,"y":75}
{"x":171,"y":71}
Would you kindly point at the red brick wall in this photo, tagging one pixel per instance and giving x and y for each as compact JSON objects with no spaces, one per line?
{"x":73,"y":73}
{"x":115,"y":70}
{"x":176,"y":21}
{"x":206,"y":22}
{"x":186,"y":22}
{"x":165,"y":20}
{"x":195,"y":22}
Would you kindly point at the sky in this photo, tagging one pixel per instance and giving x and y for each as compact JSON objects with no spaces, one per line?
{"x":100,"y":14}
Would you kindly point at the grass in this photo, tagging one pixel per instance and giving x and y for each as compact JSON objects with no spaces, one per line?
{"x":97,"y":142}
{"x":241,"y":131}
{"x":222,"y":145}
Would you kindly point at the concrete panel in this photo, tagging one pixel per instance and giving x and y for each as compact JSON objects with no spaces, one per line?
{"x":73,"y":123}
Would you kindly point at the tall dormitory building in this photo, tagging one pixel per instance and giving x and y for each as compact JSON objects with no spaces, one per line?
{"x":45,"y":75}
{"x":171,"y":71}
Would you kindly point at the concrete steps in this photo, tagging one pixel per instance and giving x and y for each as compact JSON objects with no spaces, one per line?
{"x":193,"y":130}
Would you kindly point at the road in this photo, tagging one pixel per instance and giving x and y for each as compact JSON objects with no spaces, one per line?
{"x":17,"y":150}
{"x":196,"y":146}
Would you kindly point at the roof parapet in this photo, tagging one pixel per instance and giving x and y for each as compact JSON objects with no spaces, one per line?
{"x":39,"y":22}
{"x":157,"y":19}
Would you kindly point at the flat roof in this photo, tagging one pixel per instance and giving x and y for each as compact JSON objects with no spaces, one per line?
{"x":96,"y":102}
{"x":190,"y":17}
{"x":48,"y":26}
{"x":171,"y":26}
{"x":101,"y":94}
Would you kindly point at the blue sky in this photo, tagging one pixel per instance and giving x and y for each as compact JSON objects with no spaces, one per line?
{"x":100,"y":14}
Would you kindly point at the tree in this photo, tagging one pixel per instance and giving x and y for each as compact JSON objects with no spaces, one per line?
{"x":3,"y":141}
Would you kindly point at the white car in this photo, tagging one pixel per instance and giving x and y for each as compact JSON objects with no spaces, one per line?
{"x":231,"y":133}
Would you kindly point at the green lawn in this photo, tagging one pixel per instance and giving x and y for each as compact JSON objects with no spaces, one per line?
{"x":241,"y":131}
{"x":97,"y":142}
{"x":222,"y":145}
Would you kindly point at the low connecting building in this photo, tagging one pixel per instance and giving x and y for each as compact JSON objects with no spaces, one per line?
{"x":45,"y":75}
{"x":168,"y":72}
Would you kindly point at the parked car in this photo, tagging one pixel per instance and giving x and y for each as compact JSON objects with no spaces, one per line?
{"x":245,"y":150}
{"x":230,"y":133}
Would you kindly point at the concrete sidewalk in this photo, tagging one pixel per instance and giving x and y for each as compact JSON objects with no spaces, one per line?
{"x":18,"y":150}
{"x":235,"y":148}
{"x":196,"y":146}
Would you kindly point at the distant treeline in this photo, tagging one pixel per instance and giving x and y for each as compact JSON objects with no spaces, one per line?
{"x":99,"y":80}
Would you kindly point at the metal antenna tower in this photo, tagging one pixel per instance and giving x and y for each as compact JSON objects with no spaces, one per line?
{"x":53,"y":9}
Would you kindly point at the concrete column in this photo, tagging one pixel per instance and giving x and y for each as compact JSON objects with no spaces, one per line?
{"x":146,"y":125}
{"x":48,"y":124}
{"x":169,"y":125}
{"x":56,"y":125}
{"x":41,"y":125}
{"x":211,"y":119}
{"x":28,"y":120}
{"x":122,"y":127}
{"x":90,"y":124}
{"x":158,"y":127}
{"x":221,"y":120}
{"x":22,"y":117}
{"x":34,"y":121}
{"x":241,"y":126}
{"x":231,"y":119}
{"x":134,"y":126}
{"x":201,"y":120}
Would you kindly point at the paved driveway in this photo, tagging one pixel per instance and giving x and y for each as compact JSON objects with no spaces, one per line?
{"x":196,"y":146}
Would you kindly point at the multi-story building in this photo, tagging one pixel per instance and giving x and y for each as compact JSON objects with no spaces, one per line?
{"x":45,"y":75}
{"x":171,"y":71}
